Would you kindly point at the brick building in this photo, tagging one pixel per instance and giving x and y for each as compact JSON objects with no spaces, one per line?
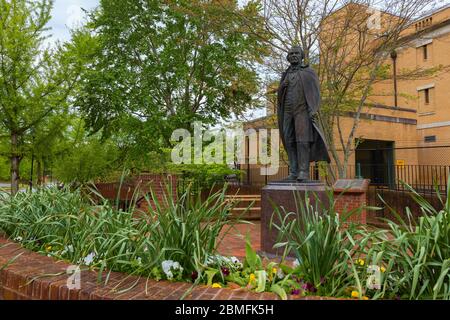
{"x":405,"y":121}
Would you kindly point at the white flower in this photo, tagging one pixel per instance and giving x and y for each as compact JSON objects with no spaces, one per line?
{"x":280,"y":274}
{"x":168,"y":266}
{"x":68,"y":248}
{"x":296,"y":263}
{"x":18,"y":239}
{"x":169,"y":275}
{"x":139,"y":260}
{"x":235,"y":260}
{"x":89,"y":258}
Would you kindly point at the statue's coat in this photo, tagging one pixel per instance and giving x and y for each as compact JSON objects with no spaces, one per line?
{"x":310,"y":83}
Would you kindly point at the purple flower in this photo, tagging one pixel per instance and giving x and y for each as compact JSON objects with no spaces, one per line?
{"x":194,"y":275}
{"x":309,"y":287}
{"x":225,"y":271}
{"x":305,"y":286}
{"x":295,"y":292}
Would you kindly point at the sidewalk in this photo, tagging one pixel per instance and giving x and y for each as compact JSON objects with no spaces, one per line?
{"x":233,"y":244}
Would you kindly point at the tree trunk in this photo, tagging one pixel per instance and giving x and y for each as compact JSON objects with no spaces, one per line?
{"x":39,"y":172}
{"x":15,"y":164}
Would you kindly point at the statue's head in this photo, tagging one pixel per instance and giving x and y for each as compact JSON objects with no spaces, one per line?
{"x":296,"y":55}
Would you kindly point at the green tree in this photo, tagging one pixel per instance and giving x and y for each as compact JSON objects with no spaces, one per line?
{"x":163,"y":65}
{"x":35,"y":81}
{"x":85,"y":158}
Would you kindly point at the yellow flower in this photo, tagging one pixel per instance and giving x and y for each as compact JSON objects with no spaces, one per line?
{"x":365,"y":298}
{"x":49,"y":248}
{"x":216,"y":286}
{"x":355,"y":294}
{"x":252,"y":278}
{"x":360,"y":262}
{"x":274,"y":270}
{"x":383,"y":269}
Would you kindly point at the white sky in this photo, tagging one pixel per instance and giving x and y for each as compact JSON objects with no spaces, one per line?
{"x":67,"y":14}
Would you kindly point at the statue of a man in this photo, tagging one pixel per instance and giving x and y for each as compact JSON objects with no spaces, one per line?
{"x":298,"y":104}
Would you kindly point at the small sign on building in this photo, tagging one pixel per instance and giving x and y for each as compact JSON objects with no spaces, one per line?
{"x":401,"y":163}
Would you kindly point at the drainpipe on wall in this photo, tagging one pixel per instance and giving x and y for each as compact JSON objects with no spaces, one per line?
{"x":394,"y":60}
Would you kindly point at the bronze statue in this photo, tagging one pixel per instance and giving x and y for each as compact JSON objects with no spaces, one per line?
{"x":298,"y":105}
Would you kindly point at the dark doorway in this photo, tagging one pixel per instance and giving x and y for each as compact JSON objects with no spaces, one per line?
{"x":375,"y":161}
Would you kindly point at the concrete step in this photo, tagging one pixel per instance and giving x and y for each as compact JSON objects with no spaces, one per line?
{"x":248,"y":203}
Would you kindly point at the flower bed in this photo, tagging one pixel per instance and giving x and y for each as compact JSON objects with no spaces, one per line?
{"x":28,"y":275}
{"x":177,"y":242}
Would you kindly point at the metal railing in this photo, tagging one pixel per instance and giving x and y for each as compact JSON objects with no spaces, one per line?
{"x":423,"y":178}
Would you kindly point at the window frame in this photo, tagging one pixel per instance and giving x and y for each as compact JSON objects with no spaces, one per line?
{"x":427,"y":96}
{"x":425,"y":52}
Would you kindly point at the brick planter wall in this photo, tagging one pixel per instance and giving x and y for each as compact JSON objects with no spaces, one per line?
{"x":160,"y":184}
{"x":32,"y":276}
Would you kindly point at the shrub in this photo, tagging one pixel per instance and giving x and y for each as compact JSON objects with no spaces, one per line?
{"x":202,"y":176}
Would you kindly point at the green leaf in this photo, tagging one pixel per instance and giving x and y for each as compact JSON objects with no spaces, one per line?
{"x":261,"y":277}
{"x":210,"y":276}
{"x":275,"y":288}
{"x":251,"y":257}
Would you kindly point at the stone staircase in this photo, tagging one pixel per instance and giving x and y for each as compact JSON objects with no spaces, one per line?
{"x":247,"y":206}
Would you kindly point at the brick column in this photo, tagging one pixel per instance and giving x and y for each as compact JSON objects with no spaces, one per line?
{"x":350,"y":195}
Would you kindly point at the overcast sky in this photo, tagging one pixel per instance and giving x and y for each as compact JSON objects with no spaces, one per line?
{"x":67,"y":14}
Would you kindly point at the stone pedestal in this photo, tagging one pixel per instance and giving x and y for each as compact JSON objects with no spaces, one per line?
{"x":284,"y":194}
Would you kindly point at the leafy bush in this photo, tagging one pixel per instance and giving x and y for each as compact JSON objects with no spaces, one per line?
{"x":203,"y":176}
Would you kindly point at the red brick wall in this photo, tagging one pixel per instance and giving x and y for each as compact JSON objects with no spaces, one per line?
{"x":160,"y":184}
{"x":350,"y":201}
{"x":36,"y":277}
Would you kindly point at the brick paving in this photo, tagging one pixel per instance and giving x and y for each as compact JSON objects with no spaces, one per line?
{"x":233,"y":242}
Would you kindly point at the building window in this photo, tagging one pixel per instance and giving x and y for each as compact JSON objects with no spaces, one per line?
{"x":425,"y":52}
{"x":424,"y":23}
{"x":429,"y":139}
{"x":427,"y":96}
